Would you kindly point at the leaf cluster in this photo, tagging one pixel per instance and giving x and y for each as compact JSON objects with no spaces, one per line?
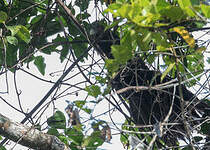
{"x":160,"y":29}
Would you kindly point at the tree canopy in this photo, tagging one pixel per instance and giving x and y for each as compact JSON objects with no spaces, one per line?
{"x":163,"y":33}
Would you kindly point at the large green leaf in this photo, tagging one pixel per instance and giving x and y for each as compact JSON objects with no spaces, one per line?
{"x":57,"y":121}
{"x":39,"y":62}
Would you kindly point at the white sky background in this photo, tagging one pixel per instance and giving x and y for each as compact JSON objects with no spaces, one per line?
{"x":33,"y":90}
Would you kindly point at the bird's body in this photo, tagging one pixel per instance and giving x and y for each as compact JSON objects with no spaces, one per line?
{"x":148,"y":107}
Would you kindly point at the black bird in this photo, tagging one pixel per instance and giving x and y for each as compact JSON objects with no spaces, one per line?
{"x":150,"y":106}
{"x":105,"y":39}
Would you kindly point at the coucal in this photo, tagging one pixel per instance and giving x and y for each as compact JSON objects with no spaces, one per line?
{"x":148,"y":107}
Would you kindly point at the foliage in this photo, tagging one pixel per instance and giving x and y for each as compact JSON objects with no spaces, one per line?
{"x":148,"y":27}
{"x":73,"y":136}
{"x":159,"y":22}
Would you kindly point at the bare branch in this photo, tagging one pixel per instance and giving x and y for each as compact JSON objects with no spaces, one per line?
{"x":29,"y":136}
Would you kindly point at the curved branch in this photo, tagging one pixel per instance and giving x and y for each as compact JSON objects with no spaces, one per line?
{"x":29,"y":136}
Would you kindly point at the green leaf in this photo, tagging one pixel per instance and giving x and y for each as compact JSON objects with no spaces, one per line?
{"x":3,"y":17}
{"x":53,"y":131}
{"x":197,"y":138}
{"x":206,"y":10}
{"x":75,"y":135}
{"x":167,"y":71}
{"x":87,"y":110}
{"x":161,"y":41}
{"x":2,"y":148}
{"x":80,"y":104}
{"x":39,"y":62}
{"x":121,"y":53}
{"x":14,"y":29}
{"x":83,"y":5}
{"x":12,"y":40}
{"x":53,"y":27}
{"x":24,"y":34}
{"x":186,"y":6}
{"x":21,"y":31}
{"x":79,"y":48}
{"x":36,"y":19}
{"x":57,"y":121}
{"x":173,"y":12}
{"x":93,"y":141}
{"x":124,"y":138}
{"x":101,"y":80}
{"x":63,"y":139}
{"x":65,"y":48}
{"x":112,"y":65}
{"x":11,"y":53}
{"x":93,"y":90}
{"x":64,"y":52}
{"x":161,"y":5}
{"x":200,"y":50}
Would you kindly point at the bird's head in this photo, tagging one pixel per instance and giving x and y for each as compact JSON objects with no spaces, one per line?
{"x":104,"y":38}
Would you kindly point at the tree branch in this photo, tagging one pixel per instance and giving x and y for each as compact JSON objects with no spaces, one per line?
{"x":29,"y":136}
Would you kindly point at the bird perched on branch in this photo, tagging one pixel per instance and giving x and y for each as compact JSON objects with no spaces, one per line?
{"x":150,"y":106}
